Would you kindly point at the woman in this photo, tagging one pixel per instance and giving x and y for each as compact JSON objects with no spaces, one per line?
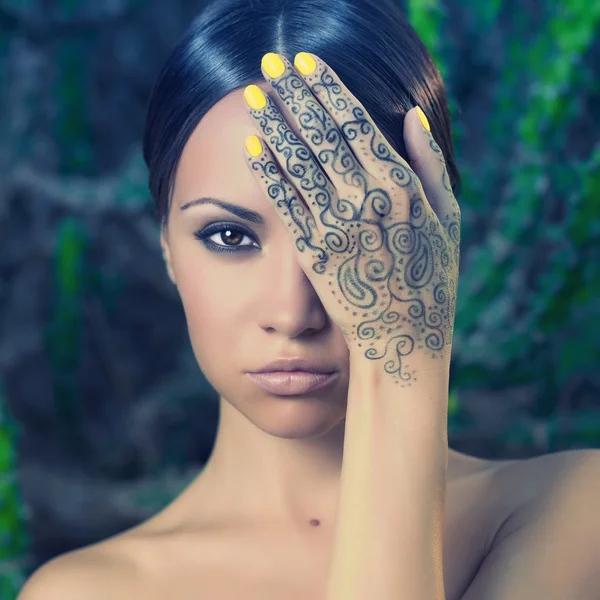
{"x":329,"y":243}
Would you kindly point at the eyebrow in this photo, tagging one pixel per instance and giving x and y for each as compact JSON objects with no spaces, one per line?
{"x":243,"y":213}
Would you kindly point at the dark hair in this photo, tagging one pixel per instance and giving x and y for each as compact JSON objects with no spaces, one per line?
{"x":368,"y":43}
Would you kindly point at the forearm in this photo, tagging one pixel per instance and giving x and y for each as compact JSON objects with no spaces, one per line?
{"x":387,"y":542}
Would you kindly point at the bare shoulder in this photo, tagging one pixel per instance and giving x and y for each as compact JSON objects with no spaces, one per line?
{"x":548,"y":544}
{"x":93,"y":573}
{"x":548,"y":486}
{"x":555,"y":486}
{"x":548,"y":472}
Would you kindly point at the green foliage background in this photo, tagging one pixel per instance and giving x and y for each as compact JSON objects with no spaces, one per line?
{"x":528,"y":311}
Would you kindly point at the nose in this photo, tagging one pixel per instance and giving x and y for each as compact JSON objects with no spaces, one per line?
{"x":289,"y":302}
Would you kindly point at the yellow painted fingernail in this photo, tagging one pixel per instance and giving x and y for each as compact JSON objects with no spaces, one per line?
{"x":254,"y":96}
{"x":305,"y":63}
{"x":272,"y":64}
{"x":253,"y":145}
{"x":423,"y":118}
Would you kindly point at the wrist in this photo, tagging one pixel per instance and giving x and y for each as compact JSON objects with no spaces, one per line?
{"x":378,"y":403}
{"x":405,"y":372}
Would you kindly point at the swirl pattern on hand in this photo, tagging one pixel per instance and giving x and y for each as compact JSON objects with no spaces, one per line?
{"x":379,"y":242}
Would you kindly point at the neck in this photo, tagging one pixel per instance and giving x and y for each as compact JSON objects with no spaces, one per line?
{"x":258,"y":478}
{"x":267,"y":478}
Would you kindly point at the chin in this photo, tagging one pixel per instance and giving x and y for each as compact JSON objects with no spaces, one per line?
{"x":292,"y":418}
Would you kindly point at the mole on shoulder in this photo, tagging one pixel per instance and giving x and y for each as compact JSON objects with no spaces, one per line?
{"x":315,"y":522}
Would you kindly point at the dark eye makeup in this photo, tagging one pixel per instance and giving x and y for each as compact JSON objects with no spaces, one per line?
{"x":233,"y":229}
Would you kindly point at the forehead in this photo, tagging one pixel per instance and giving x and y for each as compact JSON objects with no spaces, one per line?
{"x":213,"y":161}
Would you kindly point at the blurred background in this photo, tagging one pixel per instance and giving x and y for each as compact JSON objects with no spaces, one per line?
{"x":104,"y":413}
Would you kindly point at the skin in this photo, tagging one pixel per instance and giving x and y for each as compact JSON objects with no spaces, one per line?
{"x":286,"y":455}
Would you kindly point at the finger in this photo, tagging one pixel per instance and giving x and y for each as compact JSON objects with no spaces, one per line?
{"x":427,"y":160}
{"x":295,"y":158}
{"x":289,"y":206}
{"x":363,"y":136}
{"x":316,"y":125}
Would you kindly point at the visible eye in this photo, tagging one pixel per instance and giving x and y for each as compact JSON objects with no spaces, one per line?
{"x":223,"y":231}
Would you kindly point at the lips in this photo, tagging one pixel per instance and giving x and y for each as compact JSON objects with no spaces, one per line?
{"x":290,"y":383}
{"x":296,"y":364}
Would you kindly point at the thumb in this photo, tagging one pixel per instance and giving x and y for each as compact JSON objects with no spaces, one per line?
{"x":427,"y":161}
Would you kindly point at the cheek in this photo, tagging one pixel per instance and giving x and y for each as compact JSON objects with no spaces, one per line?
{"x":209,"y":301}
{"x":215,"y":309}
{"x":214,"y":314}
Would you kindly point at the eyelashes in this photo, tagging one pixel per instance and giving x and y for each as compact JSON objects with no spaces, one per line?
{"x":233,"y":230}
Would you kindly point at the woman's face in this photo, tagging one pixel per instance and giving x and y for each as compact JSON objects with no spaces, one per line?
{"x":252,"y":304}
